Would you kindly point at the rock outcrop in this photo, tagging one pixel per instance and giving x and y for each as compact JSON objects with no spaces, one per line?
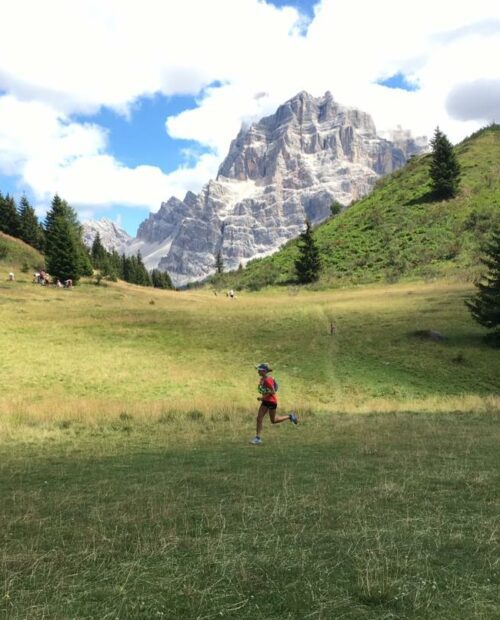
{"x":284,"y":169}
{"x":112,"y":236}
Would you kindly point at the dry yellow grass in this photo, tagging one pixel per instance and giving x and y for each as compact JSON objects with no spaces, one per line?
{"x":93,"y":353}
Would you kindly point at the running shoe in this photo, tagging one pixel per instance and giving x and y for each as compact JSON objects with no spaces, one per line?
{"x":256,"y":441}
{"x":293,"y":418}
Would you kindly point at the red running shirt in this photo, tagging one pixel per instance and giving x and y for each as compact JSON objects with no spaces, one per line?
{"x":267,"y":383}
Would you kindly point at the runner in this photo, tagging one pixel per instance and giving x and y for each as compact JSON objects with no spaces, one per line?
{"x":267,"y":388}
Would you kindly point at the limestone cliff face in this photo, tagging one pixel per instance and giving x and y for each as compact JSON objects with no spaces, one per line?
{"x":111,"y":235}
{"x":285,"y":169}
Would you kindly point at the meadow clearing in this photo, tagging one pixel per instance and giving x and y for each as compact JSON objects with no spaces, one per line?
{"x":128,"y":488}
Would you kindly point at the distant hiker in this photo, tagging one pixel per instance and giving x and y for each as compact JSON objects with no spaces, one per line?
{"x":68,"y":283}
{"x":231,"y":294}
{"x":267,"y":389}
{"x":12,"y":277}
{"x":59,"y":283}
{"x":333,"y":329}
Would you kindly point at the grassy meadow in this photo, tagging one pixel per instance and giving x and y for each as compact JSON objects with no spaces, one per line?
{"x":128,"y":488}
{"x":95,"y":351}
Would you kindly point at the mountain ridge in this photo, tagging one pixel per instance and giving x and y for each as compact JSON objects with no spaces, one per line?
{"x":287,"y":167}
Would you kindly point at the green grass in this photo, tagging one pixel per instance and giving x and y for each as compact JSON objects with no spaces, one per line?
{"x":92,"y":349}
{"x":15,"y":254}
{"x":128,"y":488}
{"x":400,"y":230}
{"x":345,"y":516}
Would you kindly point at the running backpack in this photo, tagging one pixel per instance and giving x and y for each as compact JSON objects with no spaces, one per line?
{"x":275,"y":386}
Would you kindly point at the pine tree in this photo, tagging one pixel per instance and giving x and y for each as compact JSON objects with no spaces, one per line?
{"x":161,"y":279}
{"x":126,"y":268}
{"x":61,"y":254}
{"x":84,"y":261}
{"x":307,"y":265}
{"x":219,"y":263}
{"x":98,"y":253}
{"x":485,"y":306}
{"x":115,"y":264}
{"x":142,"y":275}
{"x":58,"y":208}
{"x":63,"y":247}
{"x":134,"y":271}
{"x":9,"y":218}
{"x":30,"y":230}
{"x":444,"y":168}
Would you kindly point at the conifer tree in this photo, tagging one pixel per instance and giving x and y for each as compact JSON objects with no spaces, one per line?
{"x":161,"y":279}
{"x":444,"y":168}
{"x":98,"y":253}
{"x":142,"y":274}
{"x":307,"y":265}
{"x":126,"y":268}
{"x":63,"y":249}
{"x":61,"y":254}
{"x":30,"y":230}
{"x":219,"y":263}
{"x":485,"y":306}
{"x":60,"y":208}
{"x":115,"y":264}
{"x":9,"y":218}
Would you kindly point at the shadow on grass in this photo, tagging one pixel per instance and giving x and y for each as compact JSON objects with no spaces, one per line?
{"x":429,"y":196}
{"x":159,"y":528}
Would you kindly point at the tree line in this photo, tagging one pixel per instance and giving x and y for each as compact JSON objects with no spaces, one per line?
{"x":59,"y":239}
{"x":128,"y":268}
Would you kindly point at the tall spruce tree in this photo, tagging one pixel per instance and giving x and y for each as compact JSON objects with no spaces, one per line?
{"x":444,"y":167}
{"x":115,"y":264}
{"x":62,"y":241}
{"x":307,"y":265}
{"x":142,"y":274}
{"x":60,"y":208}
{"x":9,"y":218}
{"x":31,"y":231}
{"x":61,"y":250}
{"x":485,"y":306}
{"x":98,"y":253}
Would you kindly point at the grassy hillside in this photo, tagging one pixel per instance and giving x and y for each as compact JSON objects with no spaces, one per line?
{"x":102,"y":350}
{"x":399,"y":230}
{"x":128,"y":488}
{"x":16,"y":255}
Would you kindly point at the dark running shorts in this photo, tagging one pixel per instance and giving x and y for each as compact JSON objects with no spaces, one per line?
{"x":269,"y":405}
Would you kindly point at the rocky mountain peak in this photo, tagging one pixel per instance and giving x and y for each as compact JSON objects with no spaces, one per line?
{"x":285,"y":168}
{"x":112,"y":236}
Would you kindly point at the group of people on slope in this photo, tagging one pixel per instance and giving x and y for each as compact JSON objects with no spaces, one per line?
{"x":43,"y":278}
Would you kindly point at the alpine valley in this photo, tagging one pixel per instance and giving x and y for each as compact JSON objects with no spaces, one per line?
{"x":284,"y":169}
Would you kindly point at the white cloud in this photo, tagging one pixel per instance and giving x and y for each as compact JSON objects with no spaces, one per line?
{"x":477,"y":100}
{"x":86,"y":54}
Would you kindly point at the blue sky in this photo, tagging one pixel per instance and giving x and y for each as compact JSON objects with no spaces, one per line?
{"x":148,"y":110}
{"x":141,"y":138}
